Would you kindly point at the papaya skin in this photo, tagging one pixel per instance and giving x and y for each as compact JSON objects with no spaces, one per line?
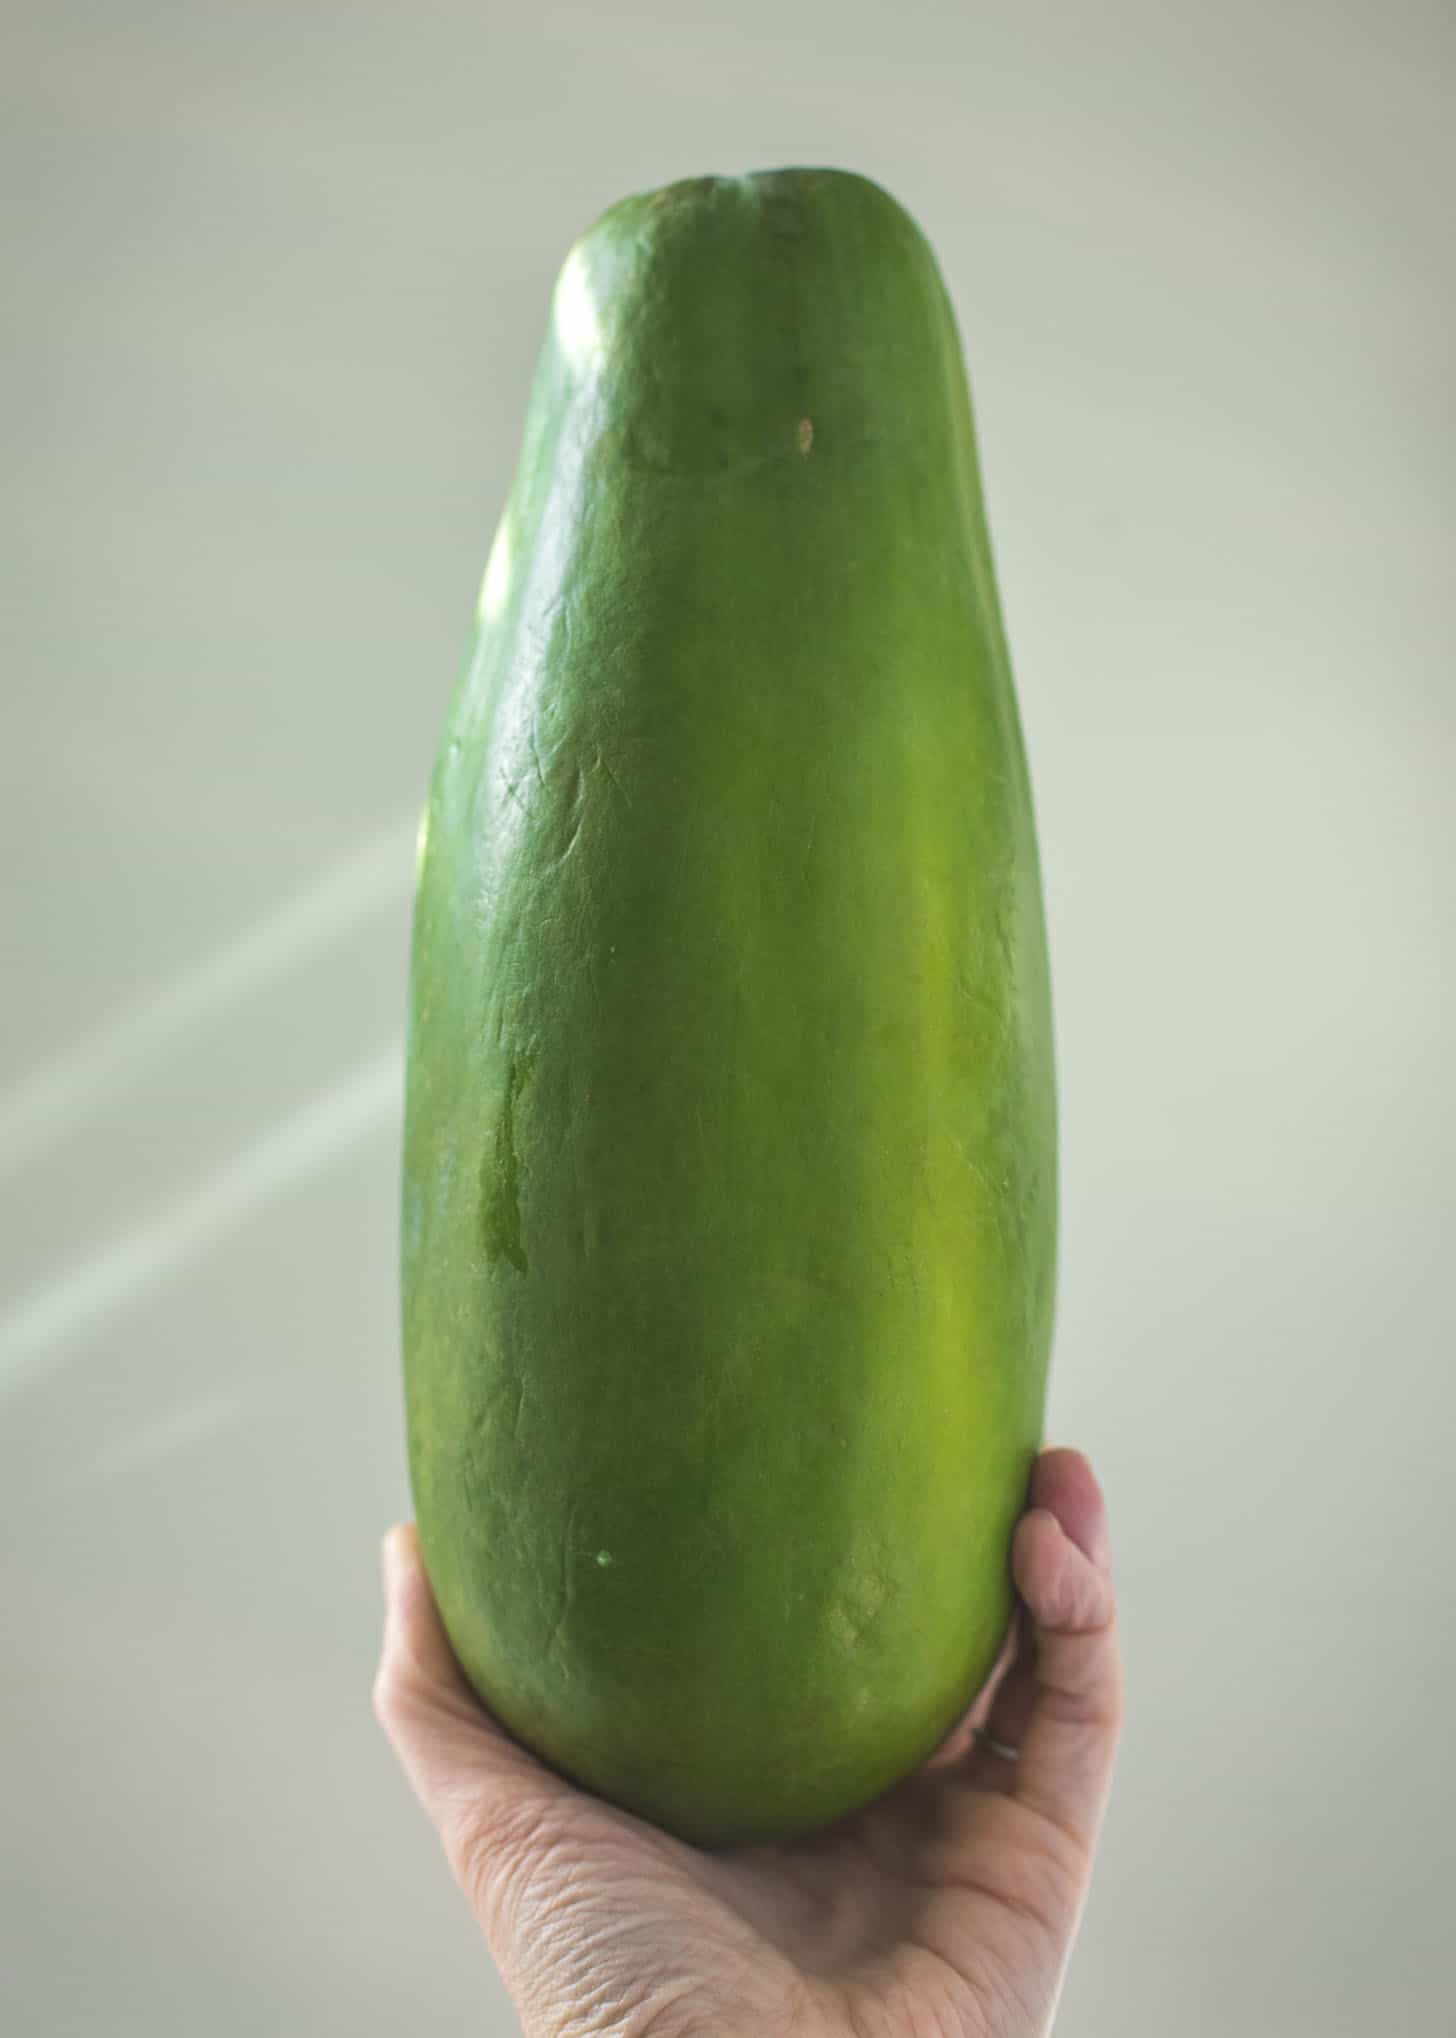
{"x":729,"y":1212}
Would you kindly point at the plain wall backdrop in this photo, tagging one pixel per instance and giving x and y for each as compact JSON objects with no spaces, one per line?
{"x":274,"y":281}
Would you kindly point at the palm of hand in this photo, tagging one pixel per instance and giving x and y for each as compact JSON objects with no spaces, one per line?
{"x":947,"y":1907}
{"x":911,"y":1917}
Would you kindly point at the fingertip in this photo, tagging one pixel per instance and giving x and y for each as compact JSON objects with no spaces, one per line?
{"x":1064,"y":1484}
{"x":1038,"y":1522}
{"x":409,"y":1600}
{"x":417,"y":1653}
{"x":1038,"y":1562}
{"x":1055,"y":1459}
{"x":396,"y":1552}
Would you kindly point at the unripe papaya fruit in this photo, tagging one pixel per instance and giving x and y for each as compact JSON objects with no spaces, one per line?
{"x":729,"y":1215}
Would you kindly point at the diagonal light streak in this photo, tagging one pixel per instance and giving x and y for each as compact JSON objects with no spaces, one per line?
{"x":133,"y":1267}
{"x":179,"y":1429}
{"x":56,"y":1098}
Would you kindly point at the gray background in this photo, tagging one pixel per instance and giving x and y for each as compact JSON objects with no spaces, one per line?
{"x":275,"y":278}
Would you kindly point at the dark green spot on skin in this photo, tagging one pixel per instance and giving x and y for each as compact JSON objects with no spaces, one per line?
{"x":500,"y":1188}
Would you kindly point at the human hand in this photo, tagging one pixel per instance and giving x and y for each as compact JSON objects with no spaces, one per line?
{"x":949,"y":1905}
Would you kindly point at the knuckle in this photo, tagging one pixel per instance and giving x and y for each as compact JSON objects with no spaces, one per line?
{"x":1113,"y":1707}
{"x":473,"y":1861}
{"x":391,"y":1692}
{"x":383,"y":1695}
{"x":1097,"y":1604}
{"x":496,"y":1848}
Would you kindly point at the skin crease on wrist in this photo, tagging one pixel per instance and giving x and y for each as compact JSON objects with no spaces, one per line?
{"x":946,"y":1909}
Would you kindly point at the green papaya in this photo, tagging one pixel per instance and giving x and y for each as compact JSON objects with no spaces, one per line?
{"x":729,"y":1197}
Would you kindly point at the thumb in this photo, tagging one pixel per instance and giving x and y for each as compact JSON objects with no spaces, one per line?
{"x":1070,"y":1707}
{"x":483,"y":1792}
